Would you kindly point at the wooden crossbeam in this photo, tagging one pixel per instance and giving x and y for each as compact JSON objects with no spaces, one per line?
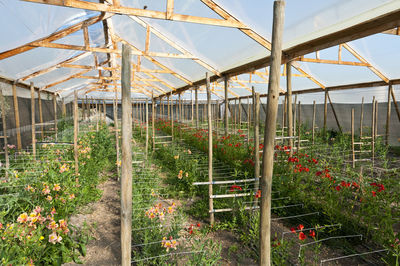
{"x":139,"y":12}
{"x":334,"y":62}
{"x":52,"y":37}
{"x":66,"y":79}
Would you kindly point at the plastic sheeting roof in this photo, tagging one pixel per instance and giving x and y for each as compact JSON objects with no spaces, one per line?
{"x":174,"y":44}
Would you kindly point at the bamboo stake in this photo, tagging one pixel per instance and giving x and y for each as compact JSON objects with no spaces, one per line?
{"x":226,"y":85}
{"x":256,"y":114}
{"x":33,"y":121}
{"x":40,"y":114}
{"x":270,"y":132}
{"x":210,"y":152}
{"x":126,"y":170}
{"x":147,"y":128}
{"x":313,"y":123}
{"x":299,"y":130}
{"x":3,"y":118}
{"x":197,"y":106}
{"x":353,"y":157}
{"x":16,"y":115}
{"x":388,"y":111}
{"x":76,"y":131}
{"x":289,"y":105}
{"x":55,"y":115}
{"x":362,"y":117}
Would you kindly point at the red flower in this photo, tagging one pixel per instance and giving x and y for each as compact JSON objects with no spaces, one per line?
{"x":337,"y":188}
{"x":198,"y":224}
{"x":318,"y":173}
{"x":300,"y":227}
{"x":302,"y":236}
{"x":261,"y":146}
{"x":293,"y":230}
{"x":258,"y":194}
{"x":373,"y":193}
{"x":312,"y":233}
{"x":235,"y":187}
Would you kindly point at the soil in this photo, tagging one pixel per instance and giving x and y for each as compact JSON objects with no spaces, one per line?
{"x":103,"y":217}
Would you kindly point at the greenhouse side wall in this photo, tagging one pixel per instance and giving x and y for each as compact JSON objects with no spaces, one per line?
{"x":24,"y":106}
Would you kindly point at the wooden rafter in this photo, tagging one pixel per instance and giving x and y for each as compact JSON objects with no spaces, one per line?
{"x":66,"y":79}
{"x":52,"y":37}
{"x":335,"y":62}
{"x":139,"y":12}
{"x":362,"y":59}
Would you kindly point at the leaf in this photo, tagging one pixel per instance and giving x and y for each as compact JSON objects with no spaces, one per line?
{"x":82,"y":249}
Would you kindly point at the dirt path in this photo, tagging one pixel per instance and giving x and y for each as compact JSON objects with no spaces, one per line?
{"x":104,"y":216}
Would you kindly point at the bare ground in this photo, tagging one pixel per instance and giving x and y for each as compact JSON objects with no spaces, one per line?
{"x":104,"y":218}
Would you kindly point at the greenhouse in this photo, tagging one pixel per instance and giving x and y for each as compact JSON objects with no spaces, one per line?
{"x":199,"y":132}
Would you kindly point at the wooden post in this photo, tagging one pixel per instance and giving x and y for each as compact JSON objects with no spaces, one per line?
{"x":395,"y":104}
{"x":16,"y":115}
{"x":234,"y":117}
{"x":147,"y":129}
{"x":126,"y":163}
{"x":153,"y":117}
{"x":180,"y":108}
{"x":373,"y":133}
{"x":87,"y":107}
{"x":172,"y":118}
{"x":256,"y":120}
{"x":299,"y":129}
{"x":289,"y":105}
{"x":168,"y":108}
{"x":55,"y":115}
{"x":361,"y":117}
{"x":83,"y":107}
{"x":334,"y":112}
{"x":353,"y":157}
{"x":33,"y":120}
{"x":248,"y":119}
{"x":270,"y":131}
{"x":40,"y":114}
{"x":313,"y":123}
{"x":76,"y":131}
{"x":192,"y":106}
{"x":283,"y":119}
{"x":3,"y":118}
{"x":388,"y":111}
{"x":295,"y":116}
{"x":116,"y":128}
{"x":325,"y":110}
{"x":210,"y":152}
{"x":226,"y":84}
{"x":105,"y":111}
{"x":197,"y":107}
{"x":376,"y":120}
{"x":98,"y":116}
{"x":64,"y":110}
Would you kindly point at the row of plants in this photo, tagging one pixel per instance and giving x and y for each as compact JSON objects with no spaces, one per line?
{"x":162,"y":233}
{"x":41,"y":194}
{"x":367,"y":205}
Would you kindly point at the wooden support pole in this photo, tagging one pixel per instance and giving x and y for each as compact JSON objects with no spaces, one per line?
{"x":283,"y":119}
{"x":168,"y":108}
{"x":376,"y":120}
{"x":248,"y":119}
{"x":16,"y":116}
{"x":270,"y":132}
{"x":83,"y":108}
{"x":226,"y":85}
{"x":55,"y":116}
{"x":240,"y":114}
{"x":126,"y":163}
{"x":87,"y":107}
{"x":197,"y":106}
{"x":64,"y":109}
{"x":334,"y":112}
{"x":234,"y":116}
{"x":116,"y":128}
{"x":295,"y":116}
{"x":40,"y":115}
{"x":192,"y":113}
{"x":3,"y":118}
{"x":172,"y":118}
{"x":353,"y":157}
{"x":299,"y":130}
{"x":153,"y":118}
{"x":147,"y":129}
{"x":105,"y":111}
{"x":289,"y":104}
{"x":256,"y":120}
{"x":388,"y":111}
{"x":180,"y":108}
{"x":210,"y":152}
{"x":362,"y":117}
{"x":395,"y":105}
{"x":325,"y":110}
{"x":373,"y":132}
{"x":76,"y":131}
{"x":33,"y":130}
{"x":313,"y":122}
